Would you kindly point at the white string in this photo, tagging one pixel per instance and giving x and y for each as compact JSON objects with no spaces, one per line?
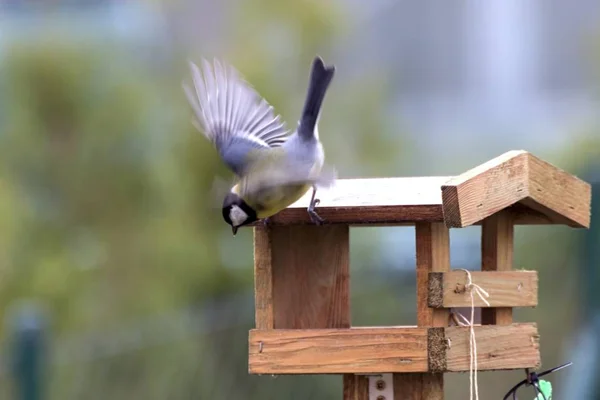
{"x":472,"y":287}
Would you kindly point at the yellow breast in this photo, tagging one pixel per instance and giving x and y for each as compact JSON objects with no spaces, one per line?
{"x":279,"y":199}
{"x":270,"y":201}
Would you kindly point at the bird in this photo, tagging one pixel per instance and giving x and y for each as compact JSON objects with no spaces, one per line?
{"x":274,"y":166}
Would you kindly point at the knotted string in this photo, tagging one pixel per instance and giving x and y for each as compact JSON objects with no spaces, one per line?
{"x":472,"y":287}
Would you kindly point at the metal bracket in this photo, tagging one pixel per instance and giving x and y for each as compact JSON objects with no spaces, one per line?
{"x":381,"y":387}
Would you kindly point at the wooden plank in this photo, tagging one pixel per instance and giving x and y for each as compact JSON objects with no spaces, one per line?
{"x":424,"y":386}
{"x":523,"y":215}
{"x":554,"y":192}
{"x":485,"y":189}
{"x":310,"y":276}
{"x":336,"y":351}
{"x":497,"y":241}
{"x":374,"y":350}
{"x":433,"y":255}
{"x":356,"y":387}
{"x":372,"y":201}
{"x":513,"y":346}
{"x":263,"y":279}
{"x":517,"y":177}
{"x":506,"y":289}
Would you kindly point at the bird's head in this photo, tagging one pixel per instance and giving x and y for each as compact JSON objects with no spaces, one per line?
{"x":236,"y":212}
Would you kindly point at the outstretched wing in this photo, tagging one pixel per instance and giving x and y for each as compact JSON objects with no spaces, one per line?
{"x":232,"y":115}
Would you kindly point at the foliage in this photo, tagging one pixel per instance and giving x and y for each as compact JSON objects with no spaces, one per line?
{"x":103,"y":210}
{"x":107,"y":217}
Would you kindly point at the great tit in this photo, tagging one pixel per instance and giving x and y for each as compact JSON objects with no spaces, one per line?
{"x":274,"y":167}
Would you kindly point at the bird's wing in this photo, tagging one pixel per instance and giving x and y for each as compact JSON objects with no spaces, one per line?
{"x":232,"y":115}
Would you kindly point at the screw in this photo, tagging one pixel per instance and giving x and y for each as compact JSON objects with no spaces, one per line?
{"x":380,"y":384}
{"x":380,"y":398}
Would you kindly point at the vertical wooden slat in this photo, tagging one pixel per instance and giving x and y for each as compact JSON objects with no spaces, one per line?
{"x":302,"y":282}
{"x":263,"y":279}
{"x":310,"y":272}
{"x":418,"y":386}
{"x":356,"y":387}
{"x":497,"y":238}
{"x":433,"y":255}
{"x":302,"y":277}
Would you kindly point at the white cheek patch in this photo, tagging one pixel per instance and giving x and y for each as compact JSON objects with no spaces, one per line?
{"x":237,"y":216}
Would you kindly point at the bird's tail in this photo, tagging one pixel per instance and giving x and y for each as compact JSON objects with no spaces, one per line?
{"x":320,"y":78}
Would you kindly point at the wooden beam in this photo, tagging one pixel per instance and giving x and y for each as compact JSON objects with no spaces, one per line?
{"x":356,"y":387}
{"x":563,"y":197}
{"x":263,"y":279}
{"x":506,"y":289}
{"x":497,"y":241}
{"x":513,"y":346}
{"x":485,"y":189}
{"x":373,"y":350}
{"x":433,"y":255}
{"x":522,"y":214}
{"x":516,"y":177}
{"x":371,"y":201}
{"x":337,"y":351}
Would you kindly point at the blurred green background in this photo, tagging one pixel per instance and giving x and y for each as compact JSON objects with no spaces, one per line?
{"x":113,"y":258}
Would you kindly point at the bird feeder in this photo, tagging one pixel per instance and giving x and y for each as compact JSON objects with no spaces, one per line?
{"x":302,"y":278}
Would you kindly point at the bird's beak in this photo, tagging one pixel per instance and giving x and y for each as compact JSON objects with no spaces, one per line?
{"x":234,"y":230}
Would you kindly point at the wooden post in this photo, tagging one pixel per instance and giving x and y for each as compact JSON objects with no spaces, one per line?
{"x":433,"y":255}
{"x":356,"y":387}
{"x":497,"y":240}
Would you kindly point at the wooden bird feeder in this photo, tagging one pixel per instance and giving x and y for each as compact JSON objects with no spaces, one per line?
{"x":302,"y":279}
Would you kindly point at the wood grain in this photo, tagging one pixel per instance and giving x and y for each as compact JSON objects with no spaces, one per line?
{"x":373,"y":350}
{"x":356,"y":387}
{"x":497,"y":241}
{"x":302,"y":281}
{"x":485,"y":189}
{"x":336,"y":351}
{"x":554,"y":192}
{"x":433,"y":255}
{"x":263,"y":279}
{"x":506,"y":289}
{"x":513,"y":346}
{"x":423,"y":386}
{"x":517,"y":177}
{"x":310,"y":273}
